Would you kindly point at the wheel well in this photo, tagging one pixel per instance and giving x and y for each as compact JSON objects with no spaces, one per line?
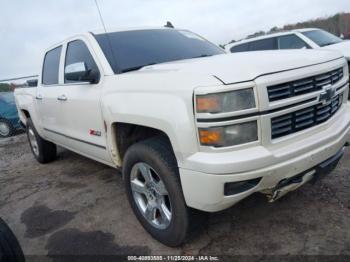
{"x":129,"y":134}
{"x":26,"y":113}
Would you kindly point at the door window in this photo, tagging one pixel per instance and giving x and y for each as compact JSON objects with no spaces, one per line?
{"x":240,"y":48}
{"x":78,"y":52}
{"x":51,"y":66}
{"x":264,"y":44}
{"x":291,"y":42}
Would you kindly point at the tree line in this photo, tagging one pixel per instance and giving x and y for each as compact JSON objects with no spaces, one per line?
{"x":338,"y":24}
{"x":5,"y":87}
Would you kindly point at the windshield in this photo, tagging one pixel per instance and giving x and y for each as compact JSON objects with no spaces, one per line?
{"x":132,"y":50}
{"x":322,"y":38}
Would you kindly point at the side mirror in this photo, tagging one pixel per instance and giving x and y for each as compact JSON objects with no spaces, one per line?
{"x":32,"y":83}
{"x":78,"y":72}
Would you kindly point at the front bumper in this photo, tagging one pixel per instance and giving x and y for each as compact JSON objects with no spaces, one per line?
{"x":205,"y":190}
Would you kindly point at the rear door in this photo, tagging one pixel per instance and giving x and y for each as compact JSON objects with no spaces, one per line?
{"x":47,"y":93}
{"x":80,"y":110}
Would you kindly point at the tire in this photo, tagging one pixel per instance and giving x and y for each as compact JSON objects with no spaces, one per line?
{"x":43,"y":151}
{"x":10,"y":250}
{"x":157,"y":154}
{"x":6,"y":128}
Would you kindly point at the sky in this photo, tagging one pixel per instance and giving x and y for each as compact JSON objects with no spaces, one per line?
{"x":27,"y":28}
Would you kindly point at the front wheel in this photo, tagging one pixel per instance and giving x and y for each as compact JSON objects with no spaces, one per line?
{"x":154,"y":191}
{"x":10,"y":249}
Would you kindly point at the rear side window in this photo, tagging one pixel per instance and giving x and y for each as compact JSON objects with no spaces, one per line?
{"x":264,"y":44}
{"x":240,"y":48}
{"x":78,"y":52}
{"x":291,"y":42}
{"x":51,"y":66}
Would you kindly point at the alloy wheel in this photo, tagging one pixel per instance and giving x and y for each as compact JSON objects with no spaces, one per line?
{"x":33,"y":141}
{"x":151,"y":195}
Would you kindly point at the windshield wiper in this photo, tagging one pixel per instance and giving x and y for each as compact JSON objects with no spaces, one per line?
{"x":135,"y":68}
{"x":200,"y":56}
{"x":330,"y":43}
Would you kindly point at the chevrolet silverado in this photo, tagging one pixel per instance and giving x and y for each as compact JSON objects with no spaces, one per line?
{"x":191,"y":127}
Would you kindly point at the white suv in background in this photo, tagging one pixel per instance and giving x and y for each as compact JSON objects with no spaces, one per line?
{"x":309,"y":38}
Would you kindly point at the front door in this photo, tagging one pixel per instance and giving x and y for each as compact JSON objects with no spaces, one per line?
{"x":80,"y":110}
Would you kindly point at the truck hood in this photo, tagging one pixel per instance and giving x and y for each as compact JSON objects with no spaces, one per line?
{"x":342,"y":47}
{"x":240,"y":67}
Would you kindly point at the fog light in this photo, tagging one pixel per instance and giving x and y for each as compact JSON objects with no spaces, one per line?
{"x":241,"y":186}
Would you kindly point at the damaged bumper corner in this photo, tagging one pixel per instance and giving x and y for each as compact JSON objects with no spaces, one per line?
{"x":290,"y":184}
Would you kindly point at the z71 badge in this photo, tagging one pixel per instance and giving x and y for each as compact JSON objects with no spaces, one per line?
{"x":94,"y":132}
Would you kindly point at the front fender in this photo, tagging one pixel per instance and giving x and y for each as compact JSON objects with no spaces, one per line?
{"x":169,"y":112}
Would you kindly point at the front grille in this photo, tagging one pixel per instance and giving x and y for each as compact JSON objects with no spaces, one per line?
{"x":304,"y":86}
{"x":304,"y":118}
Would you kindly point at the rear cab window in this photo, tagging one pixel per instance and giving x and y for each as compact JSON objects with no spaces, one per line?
{"x":50,"y":73}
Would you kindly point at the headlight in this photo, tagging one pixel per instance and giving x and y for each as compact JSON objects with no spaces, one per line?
{"x":229,"y":135}
{"x":226,"y":101}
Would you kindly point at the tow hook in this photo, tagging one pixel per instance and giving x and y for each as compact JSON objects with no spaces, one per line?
{"x":288,"y":185}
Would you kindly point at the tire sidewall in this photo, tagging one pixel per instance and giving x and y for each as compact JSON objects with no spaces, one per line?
{"x":10,"y":248}
{"x":10,"y":126}
{"x":30,"y":125}
{"x":179,"y":221}
{"x":47,"y":149}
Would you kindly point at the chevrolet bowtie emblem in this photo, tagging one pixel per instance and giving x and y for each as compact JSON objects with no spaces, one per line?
{"x":327,"y":94}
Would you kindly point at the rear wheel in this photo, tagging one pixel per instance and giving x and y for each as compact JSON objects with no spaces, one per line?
{"x":154,"y":191}
{"x":43,"y":151}
{"x":6,"y":128}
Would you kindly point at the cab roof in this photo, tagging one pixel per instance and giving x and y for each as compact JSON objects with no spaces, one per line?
{"x":112,"y":30}
{"x":123,"y":29}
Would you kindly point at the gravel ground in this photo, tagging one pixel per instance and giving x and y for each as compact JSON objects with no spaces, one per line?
{"x":77,"y":206}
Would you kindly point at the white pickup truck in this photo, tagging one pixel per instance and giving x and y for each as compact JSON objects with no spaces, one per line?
{"x":192,"y":127}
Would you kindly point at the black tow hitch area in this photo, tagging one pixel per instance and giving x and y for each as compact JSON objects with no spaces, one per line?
{"x":290,"y":184}
{"x":320,"y":171}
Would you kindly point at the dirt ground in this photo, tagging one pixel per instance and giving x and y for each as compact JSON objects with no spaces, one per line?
{"x":77,"y":206}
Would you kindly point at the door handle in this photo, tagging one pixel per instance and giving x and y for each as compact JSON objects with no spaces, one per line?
{"x":39,"y":97}
{"x":62,"y":98}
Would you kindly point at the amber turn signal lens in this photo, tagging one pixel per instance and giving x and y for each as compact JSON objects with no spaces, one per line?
{"x":206,"y":104}
{"x":209,"y":137}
